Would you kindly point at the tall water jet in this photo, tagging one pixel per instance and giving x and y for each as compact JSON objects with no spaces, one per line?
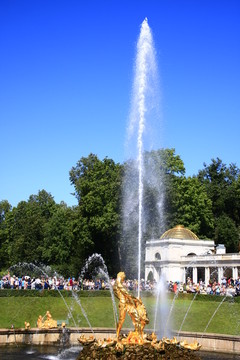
{"x":144,"y":111}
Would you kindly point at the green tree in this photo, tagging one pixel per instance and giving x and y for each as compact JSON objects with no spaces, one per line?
{"x":5,"y":209}
{"x":97,"y":188}
{"x":166,"y":168}
{"x":25,"y":228}
{"x":58,"y":238}
{"x":161,"y":168}
{"x":222,"y":184}
{"x":45,"y":202}
{"x":193,"y":208}
{"x":227,"y":233}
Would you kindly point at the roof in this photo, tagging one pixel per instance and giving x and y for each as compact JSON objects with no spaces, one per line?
{"x":179,"y":232}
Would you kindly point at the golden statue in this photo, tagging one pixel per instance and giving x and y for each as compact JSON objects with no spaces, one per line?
{"x":134,"y":307}
{"x":27,"y":325}
{"x":39,"y":322}
{"x":49,"y":323}
{"x":138,"y":314}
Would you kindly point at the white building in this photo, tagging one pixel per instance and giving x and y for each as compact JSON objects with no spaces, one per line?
{"x":179,"y":254}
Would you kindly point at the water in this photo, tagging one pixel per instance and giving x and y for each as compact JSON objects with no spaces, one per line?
{"x":99,"y":267}
{"x":139,"y":140}
{"x":52,"y":353}
{"x":83,"y":311}
{"x":162,"y":311}
{"x":144,"y":45}
{"x":190,"y":305}
{"x":38,"y":352}
{"x":46,"y":271}
{"x":142,"y":104}
{"x":115,"y":313}
{"x":214,"y":314}
{"x":170,"y":312}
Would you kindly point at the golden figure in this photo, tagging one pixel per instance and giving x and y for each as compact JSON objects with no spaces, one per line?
{"x":27,"y":325}
{"x":131,"y":305}
{"x":39,"y":322}
{"x":49,"y":323}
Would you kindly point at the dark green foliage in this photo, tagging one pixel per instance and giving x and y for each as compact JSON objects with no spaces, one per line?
{"x":58,"y":239}
{"x":5,"y":209}
{"x":24,"y":228}
{"x":41,"y":231}
{"x":192,"y":206}
{"x":222,"y":185}
{"x":97,"y":187}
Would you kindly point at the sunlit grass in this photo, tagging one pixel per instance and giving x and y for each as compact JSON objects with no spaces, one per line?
{"x":99,"y":310}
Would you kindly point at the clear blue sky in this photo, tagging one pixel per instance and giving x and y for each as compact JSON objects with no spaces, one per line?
{"x":66,"y":71}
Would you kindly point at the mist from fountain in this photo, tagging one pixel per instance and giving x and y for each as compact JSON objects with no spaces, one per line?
{"x":162,"y":314}
{"x":185,"y":316}
{"x":46,"y":274}
{"x":103,"y":271}
{"x":140,"y":138}
{"x":78,"y":301}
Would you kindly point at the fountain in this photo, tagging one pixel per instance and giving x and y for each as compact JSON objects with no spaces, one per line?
{"x":136,"y":344}
{"x":140,"y":170}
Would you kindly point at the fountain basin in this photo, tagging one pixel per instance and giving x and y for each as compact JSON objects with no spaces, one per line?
{"x":210,"y":342}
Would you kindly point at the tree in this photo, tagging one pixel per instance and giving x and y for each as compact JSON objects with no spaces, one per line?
{"x":25,"y":228}
{"x":5,"y":209}
{"x":58,"y":238}
{"x":160,"y":168}
{"x":222,"y":184}
{"x":227,"y":233}
{"x":45,"y":202}
{"x":166,"y":168}
{"x":193,"y":208}
{"x":97,"y":188}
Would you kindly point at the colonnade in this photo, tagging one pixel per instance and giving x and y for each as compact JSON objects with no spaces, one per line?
{"x":218,"y":274}
{"x":196,"y":273}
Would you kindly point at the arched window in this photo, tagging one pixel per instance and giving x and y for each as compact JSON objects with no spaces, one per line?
{"x":157,"y":256}
{"x":150,"y":276}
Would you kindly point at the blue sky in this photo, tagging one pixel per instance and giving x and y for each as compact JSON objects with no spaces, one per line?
{"x":66,"y":72}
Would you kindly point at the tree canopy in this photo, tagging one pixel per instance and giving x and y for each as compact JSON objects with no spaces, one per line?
{"x":105,"y":220}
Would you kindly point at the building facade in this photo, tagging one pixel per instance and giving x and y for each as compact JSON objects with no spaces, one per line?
{"x":180,"y":254}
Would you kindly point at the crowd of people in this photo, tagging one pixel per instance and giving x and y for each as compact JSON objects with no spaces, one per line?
{"x":228,"y":287}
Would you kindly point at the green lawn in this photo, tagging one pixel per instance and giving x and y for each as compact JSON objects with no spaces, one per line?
{"x":17,"y":310}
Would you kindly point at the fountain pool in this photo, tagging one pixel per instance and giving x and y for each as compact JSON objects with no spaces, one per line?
{"x":53,"y":353}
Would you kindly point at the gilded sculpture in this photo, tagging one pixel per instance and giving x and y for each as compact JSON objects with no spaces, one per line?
{"x":135,"y":309}
{"x":49,"y":323}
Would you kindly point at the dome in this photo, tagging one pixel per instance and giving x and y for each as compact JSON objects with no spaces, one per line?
{"x":179,"y":232}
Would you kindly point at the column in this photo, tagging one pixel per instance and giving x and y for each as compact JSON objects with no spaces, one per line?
{"x":220,"y":274}
{"x":194,"y":279}
{"x":235,"y":273}
{"x":184,"y":275}
{"x":207,"y":275}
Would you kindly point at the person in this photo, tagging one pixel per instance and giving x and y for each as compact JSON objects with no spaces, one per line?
{"x":46,"y":284}
{"x":61,"y":284}
{"x":29,"y":283}
{"x":175,"y":287}
{"x":12,"y":281}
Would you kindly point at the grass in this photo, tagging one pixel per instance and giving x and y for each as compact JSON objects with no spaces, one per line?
{"x":226,"y":319}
